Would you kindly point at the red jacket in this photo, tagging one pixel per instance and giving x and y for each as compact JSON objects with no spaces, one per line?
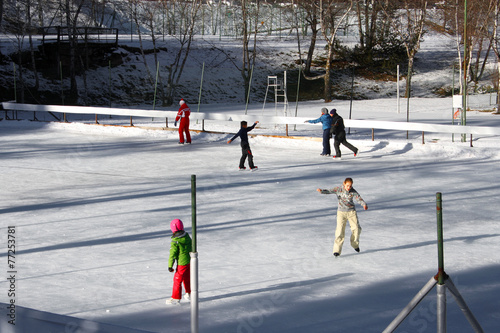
{"x":184,"y":112}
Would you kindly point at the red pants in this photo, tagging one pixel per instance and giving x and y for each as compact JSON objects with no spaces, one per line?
{"x":182,"y":275}
{"x":184,"y":127}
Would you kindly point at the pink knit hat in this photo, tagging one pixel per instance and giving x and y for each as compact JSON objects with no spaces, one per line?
{"x":176,"y":225}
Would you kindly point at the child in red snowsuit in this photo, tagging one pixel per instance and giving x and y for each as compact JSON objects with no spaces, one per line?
{"x":183,"y":116}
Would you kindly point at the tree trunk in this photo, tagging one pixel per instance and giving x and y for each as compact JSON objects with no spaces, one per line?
{"x":312,"y":46}
{"x":326,"y":79}
{"x":408,"y":78}
{"x":32,"y":49}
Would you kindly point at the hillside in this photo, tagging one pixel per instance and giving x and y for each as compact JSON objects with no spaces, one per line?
{"x":118,"y":77}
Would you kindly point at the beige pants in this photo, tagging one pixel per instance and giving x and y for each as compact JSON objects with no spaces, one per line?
{"x":342,"y":218}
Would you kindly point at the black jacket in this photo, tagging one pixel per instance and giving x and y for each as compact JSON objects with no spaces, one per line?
{"x":337,"y":125}
{"x":243,"y":133}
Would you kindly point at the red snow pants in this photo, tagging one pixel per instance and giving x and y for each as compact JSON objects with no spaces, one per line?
{"x":184,"y":127}
{"x":182,"y":275}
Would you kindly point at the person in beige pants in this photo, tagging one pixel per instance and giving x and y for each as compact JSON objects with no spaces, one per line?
{"x":346,"y":211}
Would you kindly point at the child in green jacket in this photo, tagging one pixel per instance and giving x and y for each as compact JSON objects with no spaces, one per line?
{"x":180,"y":247}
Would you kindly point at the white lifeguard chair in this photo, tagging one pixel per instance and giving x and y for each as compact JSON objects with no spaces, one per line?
{"x":280,"y":97}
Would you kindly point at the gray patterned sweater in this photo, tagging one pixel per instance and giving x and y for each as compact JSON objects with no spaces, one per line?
{"x":346,"y":198}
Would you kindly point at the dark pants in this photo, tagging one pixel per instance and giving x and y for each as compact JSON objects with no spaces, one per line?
{"x":340,"y":139}
{"x":246,"y":152}
{"x":326,"y":142}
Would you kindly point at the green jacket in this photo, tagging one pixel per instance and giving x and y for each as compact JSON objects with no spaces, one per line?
{"x":180,"y":246}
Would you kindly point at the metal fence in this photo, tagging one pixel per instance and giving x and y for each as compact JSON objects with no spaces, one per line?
{"x":482,"y":101}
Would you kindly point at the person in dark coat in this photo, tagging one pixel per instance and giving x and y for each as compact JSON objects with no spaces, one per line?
{"x":338,"y":131}
{"x":245,"y":145}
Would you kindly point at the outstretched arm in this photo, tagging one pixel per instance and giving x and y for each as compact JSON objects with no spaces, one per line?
{"x":253,"y":126}
{"x":360,"y":200}
{"x":235,"y":136}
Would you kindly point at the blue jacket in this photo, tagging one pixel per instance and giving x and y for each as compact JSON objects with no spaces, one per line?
{"x":325,"y":119}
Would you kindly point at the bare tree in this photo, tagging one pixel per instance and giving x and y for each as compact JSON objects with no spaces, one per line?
{"x":482,"y":23}
{"x":188,"y":13}
{"x":329,"y":28}
{"x":148,"y":15}
{"x":473,"y":28}
{"x":312,"y":18}
{"x":496,"y":46}
{"x":249,"y":53}
{"x":371,"y":22}
{"x":409,"y":26}
{"x":14,"y":23}
{"x":1,"y":11}
{"x":31,"y":29}
{"x":72,"y":11}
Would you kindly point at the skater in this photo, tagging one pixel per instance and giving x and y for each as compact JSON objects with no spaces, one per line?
{"x":346,"y":211}
{"x":183,"y":116}
{"x":338,"y":131}
{"x":180,"y":247}
{"x":245,"y":146}
{"x":326,"y":120}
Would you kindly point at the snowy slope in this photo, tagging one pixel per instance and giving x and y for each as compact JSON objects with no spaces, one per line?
{"x":91,"y":207}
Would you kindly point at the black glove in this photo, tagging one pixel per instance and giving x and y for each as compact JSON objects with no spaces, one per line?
{"x":170,"y":269}
{"x":175,"y":123}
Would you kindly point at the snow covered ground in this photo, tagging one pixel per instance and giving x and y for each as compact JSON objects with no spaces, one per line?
{"x":91,"y":207}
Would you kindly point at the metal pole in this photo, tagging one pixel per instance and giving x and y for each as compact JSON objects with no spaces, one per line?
{"x":201,"y":85}
{"x":194,"y":292}
{"x":156,"y":84}
{"x":441,"y":308}
{"x":297,"y":97}
{"x":464,"y":95}
{"x":452,"y":107}
{"x":409,"y":308}
{"x":463,"y":306}
{"x":408,"y":91}
{"x":109,"y":84}
{"x":439,"y":211}
{"x":397,"y":88}
{"x":194,"y":262}
{"x":15,"y":88}
{"x":441,"y":288}
{"x":248,"y":93}
{"x":352,"y":95}
{"x":193,"y":209}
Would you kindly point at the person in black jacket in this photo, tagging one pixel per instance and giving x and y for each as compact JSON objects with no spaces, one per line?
{"x":338,"y":130}
{"x":245,"y":146}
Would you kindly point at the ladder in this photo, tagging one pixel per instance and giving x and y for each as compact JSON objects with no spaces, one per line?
{"x":279,"y":88}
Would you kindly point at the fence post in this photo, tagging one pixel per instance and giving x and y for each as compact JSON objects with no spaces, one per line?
{"x":194,"y":262}
{"x":248,"y":93}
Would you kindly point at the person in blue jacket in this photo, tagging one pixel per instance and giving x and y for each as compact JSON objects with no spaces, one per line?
{"x":326,"y":120}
